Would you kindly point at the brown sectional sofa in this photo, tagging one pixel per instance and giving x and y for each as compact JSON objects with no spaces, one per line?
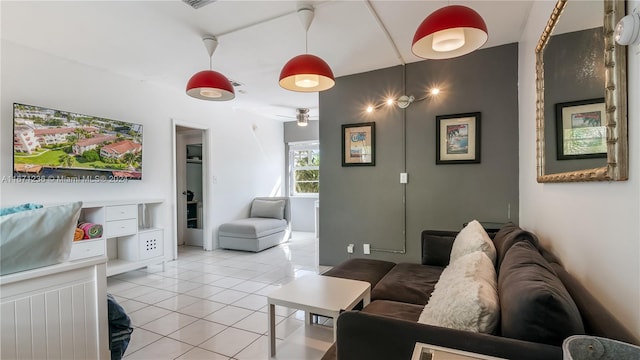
{"x":540,"y":304}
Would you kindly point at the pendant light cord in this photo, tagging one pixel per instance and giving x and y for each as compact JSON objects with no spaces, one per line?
{"x":404,"y":170}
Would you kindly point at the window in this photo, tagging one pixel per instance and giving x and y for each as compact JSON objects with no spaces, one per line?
{"x":304,"y":162}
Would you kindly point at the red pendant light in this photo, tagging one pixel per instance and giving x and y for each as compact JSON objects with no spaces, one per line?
{"x":208,"y":84}
{"x":306,"y":73}
{"x":449,"y":32}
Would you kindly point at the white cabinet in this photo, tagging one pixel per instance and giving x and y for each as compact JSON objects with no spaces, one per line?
{"x":150,"y":244}
{"x":86,"y":249}
{"x":121,"y":220}
{"x":121,"y":212}
{"x":131,"y":237}
{"x":90,"y":247}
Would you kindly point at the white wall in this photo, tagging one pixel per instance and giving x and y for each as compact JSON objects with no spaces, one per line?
{"x":303,"y":213}
{"x":593,"y":227}
{"x":247,"y":158}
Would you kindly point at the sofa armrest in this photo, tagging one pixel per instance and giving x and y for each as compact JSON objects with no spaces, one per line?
{"x":370,"y":336}
{"x":436,"y":247}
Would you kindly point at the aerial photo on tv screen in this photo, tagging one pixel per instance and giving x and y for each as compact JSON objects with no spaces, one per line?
{"x":51,"y":145}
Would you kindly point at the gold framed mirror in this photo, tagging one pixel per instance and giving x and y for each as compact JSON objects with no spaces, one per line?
{"x":599,"y":153}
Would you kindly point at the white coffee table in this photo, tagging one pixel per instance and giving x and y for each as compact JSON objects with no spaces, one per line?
{"x":317,"y":294}
{"x":423,"y":351}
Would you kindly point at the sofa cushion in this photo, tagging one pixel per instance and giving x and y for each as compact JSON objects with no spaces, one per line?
{"x":394,"y":309}
{"x":252,"y":228}
{"x":472,"y":238}
{"x":409,"y":283}
{"x":535,"y":306}
{"x":436,"y":247}
{"x":369,"y":270}
{"x":466,"y":296}
{"x":261,"y":208}
{"x":508,"y":235}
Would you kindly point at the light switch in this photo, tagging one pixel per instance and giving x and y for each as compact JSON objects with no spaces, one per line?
{"x":404,"y":178}
{"x":366,"y":248}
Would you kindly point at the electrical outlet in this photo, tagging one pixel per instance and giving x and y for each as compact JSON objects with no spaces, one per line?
{"x":366,"y":248}
{"x":350,"y":249}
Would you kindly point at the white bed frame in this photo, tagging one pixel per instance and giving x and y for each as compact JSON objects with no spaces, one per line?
{"x":56,"y":312}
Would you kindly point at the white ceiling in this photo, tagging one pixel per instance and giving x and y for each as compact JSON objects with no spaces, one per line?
{"x":160,"y":41}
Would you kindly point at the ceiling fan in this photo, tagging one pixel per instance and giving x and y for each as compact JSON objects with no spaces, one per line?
{"x":302,"y":116}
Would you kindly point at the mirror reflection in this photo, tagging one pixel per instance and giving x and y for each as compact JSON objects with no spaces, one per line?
{"x":581,"y":89}
{"x":575,"y":134}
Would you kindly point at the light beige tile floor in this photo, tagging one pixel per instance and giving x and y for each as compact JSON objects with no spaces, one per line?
{"x":212,"y":305}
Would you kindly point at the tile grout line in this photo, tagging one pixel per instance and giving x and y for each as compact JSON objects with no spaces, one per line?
{"x":203,"y":260}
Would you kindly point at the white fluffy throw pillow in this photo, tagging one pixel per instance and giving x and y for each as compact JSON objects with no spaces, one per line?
{"x":472,"y":238}
{"x":466,"y":296}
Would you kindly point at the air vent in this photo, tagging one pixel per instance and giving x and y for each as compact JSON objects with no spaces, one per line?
{"x":235,"y":83}
{"x":197,"y":4}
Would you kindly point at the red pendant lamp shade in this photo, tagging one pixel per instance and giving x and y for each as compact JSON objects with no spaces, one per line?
{"x":449,"y":32}
{"x":306,"y":73}
{"x":210,"y":85}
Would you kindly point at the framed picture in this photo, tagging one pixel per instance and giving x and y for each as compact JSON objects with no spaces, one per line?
{"x":359,"y":144}
{"x":458,"y":138}
{"x":580,"y":129}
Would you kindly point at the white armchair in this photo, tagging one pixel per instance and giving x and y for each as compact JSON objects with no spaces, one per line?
{"x":268,"y":224}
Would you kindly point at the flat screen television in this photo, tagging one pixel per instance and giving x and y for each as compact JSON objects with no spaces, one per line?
{"x":53,"y":145}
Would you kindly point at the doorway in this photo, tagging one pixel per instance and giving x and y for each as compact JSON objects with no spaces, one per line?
{"x":191,"y":161}
{"x":192,"y":222}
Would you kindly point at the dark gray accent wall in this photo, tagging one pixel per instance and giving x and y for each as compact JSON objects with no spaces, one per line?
{"x":364,"y":204}
{"x":573,"y":71}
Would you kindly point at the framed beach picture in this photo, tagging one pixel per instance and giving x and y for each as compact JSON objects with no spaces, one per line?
{"x":358,"y":144}
{"x":580,"y":129}
{"x":458,"y":138}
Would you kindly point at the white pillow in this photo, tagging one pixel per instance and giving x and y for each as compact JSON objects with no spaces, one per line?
{"x":466,"y":296}
{"x":472,"y":238}
{"x":36,"y":238}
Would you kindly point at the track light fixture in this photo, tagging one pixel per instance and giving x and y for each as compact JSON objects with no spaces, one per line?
{"x":403,"y":101}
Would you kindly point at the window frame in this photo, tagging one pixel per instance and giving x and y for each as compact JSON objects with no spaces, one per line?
{"x":293,"y":148}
